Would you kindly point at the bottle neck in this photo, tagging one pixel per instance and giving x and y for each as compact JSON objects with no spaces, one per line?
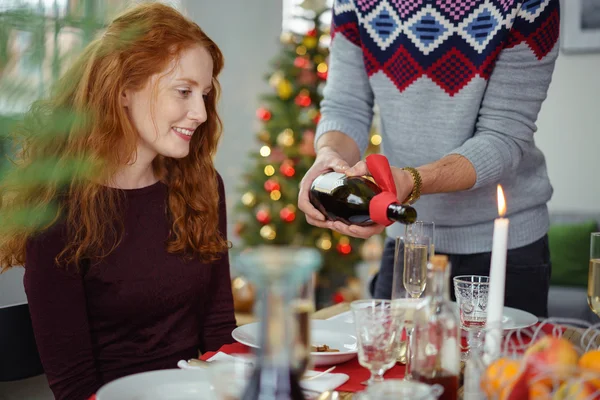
{"x":401,"y":213}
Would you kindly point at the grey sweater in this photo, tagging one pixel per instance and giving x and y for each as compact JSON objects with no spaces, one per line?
{"x":461,"y":77}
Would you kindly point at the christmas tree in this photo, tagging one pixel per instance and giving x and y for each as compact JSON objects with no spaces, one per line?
{"x":267,"y":212}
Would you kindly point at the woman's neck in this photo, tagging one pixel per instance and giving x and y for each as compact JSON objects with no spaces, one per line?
{"x":135,"y":175}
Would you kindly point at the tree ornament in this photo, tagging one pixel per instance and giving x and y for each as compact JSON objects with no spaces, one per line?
{"x":275,"y":195}
{"x":303,"y":99}
{"x":265,"y":151}
{"x":264,"y":136}
{"x":322,"y":71}
{"x":288,"y":213}
{"x":286,"y":138}
{"x":269,"y":170}
{"x":312,"y":33}
{"x":343,"y":246}
{"x":244,"y":295}
{"x":324,"y":242}
{"x":263,"y":114}
{"x":287,"y":168}
{"x":285,"y":89}
{"x":271,"y":184}
{"x":301,"y":50}
{"x":263,"y":216}
{"x":268,"y":232}
{"x":249,"y":199}
{"x":301,"y":62}
{"x":310,"y":42}
{"x":276,"y":79}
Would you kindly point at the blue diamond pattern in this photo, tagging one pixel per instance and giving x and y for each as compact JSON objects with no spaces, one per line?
{"x":427,"y":29}
{"x":384,"y":24}
{"x":531,"y":6}
{"x":482,"y":26}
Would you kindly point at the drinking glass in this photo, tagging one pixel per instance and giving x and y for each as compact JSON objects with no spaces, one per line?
{"x":303,"y":306}
{"x":378,"y":327}
{"x":593,"y":295}
{"x":412,"y":253}
{"x":472,"y":297}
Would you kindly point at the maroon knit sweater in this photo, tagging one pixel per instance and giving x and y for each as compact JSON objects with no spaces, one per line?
{"x":140,"y":309}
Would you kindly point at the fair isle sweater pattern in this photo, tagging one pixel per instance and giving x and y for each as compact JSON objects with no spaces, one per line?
{"x":449,"y":41}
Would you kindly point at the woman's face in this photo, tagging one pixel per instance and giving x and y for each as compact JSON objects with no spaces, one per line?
{"x":167,"y":118}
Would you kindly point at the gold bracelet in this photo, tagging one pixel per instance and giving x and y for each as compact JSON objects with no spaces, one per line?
{"x":416,"y":191}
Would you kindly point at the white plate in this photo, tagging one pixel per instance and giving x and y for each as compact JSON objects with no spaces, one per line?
{"x":335,"y":335}
{"x":167,"y":384}
{"x":512,"y":319}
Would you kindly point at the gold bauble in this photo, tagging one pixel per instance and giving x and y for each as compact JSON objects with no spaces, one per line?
{"x":275,"y":195}
{"x":285,"y":89}
{"x":268,"y":232}
{"x":310,"y":42}
{"x":301,"y":50}
{"x":324,"y":242}
{"x":286,"y":138}
{"x":269,"y":170}
{"x":249,"y":199}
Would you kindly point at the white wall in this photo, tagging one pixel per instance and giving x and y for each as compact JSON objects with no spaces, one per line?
{"x":569,"y":133}
{"x":247,"y":32}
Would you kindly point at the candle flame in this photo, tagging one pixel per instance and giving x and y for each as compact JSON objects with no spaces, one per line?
{"x":501,"y":202}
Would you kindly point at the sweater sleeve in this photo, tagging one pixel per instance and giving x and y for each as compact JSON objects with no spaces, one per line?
{"x":516,"y":89}
{"x":219,"y":319}
{"x":347,"y":104}
{"x":57,"y":304}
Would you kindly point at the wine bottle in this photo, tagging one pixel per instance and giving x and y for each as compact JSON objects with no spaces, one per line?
{"x":346,"y":198}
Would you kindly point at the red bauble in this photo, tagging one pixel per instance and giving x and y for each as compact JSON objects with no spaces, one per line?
{"x":312,"y":32}
{"x":303,"y":100}
{"x":287,"y":168}
{"x":271,"y":184}
{"x":344,"y":248}
{"x":263,"y":114}
{"x":263,"y":217}
{"x":322,"y":75}
{"x":301,"y":62}
{"x":287,"y":215}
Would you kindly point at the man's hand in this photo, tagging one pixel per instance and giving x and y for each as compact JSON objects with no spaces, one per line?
{"x":327,"y":160}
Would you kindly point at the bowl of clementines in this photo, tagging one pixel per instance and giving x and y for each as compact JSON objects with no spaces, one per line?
{"x":551,"y":367}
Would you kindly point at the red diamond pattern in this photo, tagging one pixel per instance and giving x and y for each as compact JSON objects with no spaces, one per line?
{"x":514,"y":38}
{"x":542,"y":41}
{"x":402,"y":69}
{"x":452,"y":72}
{"x":350,"y":32}
{"x":485,"y":70}
{"x":371,"y":63}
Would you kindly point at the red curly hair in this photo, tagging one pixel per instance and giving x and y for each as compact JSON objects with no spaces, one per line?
{"x":138,"y":44}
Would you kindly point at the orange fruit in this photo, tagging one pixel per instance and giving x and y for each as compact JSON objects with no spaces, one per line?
{"x":498,"y":375}
{"x":590,"y":361}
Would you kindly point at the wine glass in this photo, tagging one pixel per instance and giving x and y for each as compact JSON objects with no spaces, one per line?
{"x":378,"y":328}
{"x":303,"y":306}
{"x":593,"y":294}
{"x":412,"y":254}
{"x":472,"y":298}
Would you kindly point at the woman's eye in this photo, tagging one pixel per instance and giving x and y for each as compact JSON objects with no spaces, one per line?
{"x":184,"y":92}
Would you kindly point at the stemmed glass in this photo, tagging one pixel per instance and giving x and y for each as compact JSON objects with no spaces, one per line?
{"x":472,"y":298}
{"x":378,"y":328}
{"x":412,"y":254}
{"x":593,"y":294}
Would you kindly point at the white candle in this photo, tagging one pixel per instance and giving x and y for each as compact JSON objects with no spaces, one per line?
{"x":495,"y":306}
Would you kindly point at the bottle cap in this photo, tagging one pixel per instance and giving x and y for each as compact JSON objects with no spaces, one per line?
{"x":439,"y":261}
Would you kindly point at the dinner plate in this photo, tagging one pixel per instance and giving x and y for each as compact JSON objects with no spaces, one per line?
{"x":337,"y":336}
{"x":167,"y":384}
{"x":512,"y":318}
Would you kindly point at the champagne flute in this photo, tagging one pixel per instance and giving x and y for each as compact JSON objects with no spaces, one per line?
{"x":593,"y":294}
{"x":303,"y":306}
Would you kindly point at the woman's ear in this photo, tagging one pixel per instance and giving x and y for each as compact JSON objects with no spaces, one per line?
{"x":125,"y":98}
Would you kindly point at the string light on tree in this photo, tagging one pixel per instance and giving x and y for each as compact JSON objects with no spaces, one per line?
{"x":288,"y":213}
{"x":303,"y":98}
{"x":268,"y":232}
{"x":249,"y":199}
{"x":271,"y":184}
{"x":343,"y":246}
{"x":263,"y":114}
{"x":301,"y":62}
{"x":269,"y":170}
{"x":265,"y":151}
{"x":301,"y":50}
{"x":322,"y":70}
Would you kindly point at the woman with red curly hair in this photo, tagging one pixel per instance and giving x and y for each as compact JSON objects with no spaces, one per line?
{"x":133,"y":272}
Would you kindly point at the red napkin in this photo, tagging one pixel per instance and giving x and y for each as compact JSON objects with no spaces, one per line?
{"x":352,"y":368}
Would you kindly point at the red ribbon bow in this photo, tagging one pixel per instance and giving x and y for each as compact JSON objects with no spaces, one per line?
{"x":379,"y":167}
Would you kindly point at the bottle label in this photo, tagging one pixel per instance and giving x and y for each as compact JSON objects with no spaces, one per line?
{"x":326,"y":183}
